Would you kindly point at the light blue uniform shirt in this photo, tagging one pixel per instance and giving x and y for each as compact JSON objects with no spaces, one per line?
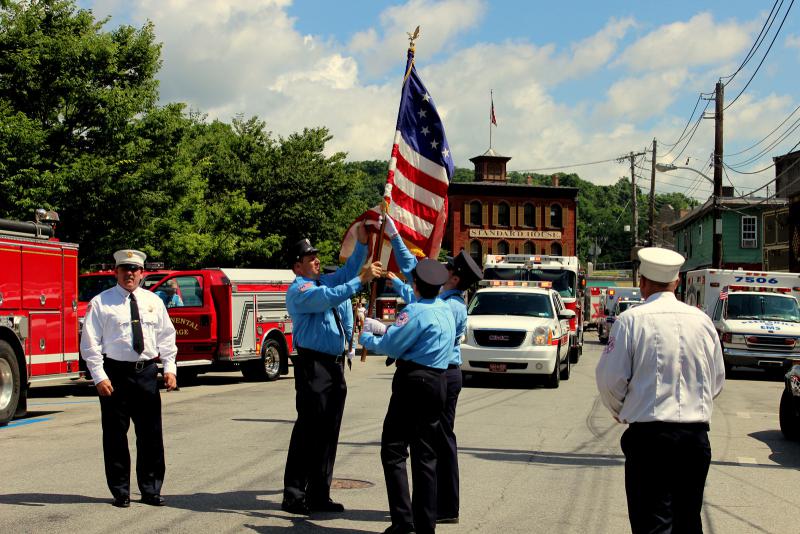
{"x":453,"y":297}
{"x":311,"y":306}
{"x":423,"y":333}
{"x":454,"y":300}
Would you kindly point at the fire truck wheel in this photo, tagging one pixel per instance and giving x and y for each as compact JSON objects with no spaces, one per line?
{"x":9,"y":383}
{"x":266,"y":368}
{"x":789,"y":418}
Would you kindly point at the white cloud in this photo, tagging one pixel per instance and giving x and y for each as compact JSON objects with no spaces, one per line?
{"x":439,"y":22}
{"x":248,"y":57}
{"x":792,"y":41}
{"x":696,"y":42}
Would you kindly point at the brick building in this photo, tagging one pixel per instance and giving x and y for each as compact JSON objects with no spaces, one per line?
{"x":493,"y":216}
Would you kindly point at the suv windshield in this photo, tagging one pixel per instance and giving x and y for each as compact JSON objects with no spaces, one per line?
{"x":524,"y":304}
{"x":763,"y":306}
{"x":563,"y":281}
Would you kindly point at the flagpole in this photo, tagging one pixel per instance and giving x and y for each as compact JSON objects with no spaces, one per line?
{"x":491,"y":102}
{"x":378,"y":249}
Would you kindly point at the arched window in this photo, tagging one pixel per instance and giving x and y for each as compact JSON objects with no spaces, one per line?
{"x":475,"y":213}
{"x":502,"y":247}
{"x":528,"y":249}
{"x":555,"y":249}
{"x":475,"y":251}
{"x":528,"y":216}
{"x":555,"y":216}
{"x":503,"y":215}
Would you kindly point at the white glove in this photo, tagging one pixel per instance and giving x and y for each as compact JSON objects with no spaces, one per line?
{"x":390,"y":229}
{"x":374,"y":326}
{"x":351,"y":354}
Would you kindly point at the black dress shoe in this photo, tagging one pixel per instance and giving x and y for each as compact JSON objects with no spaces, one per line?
{"x":121,"y":502}
{"x":153,"y":500}
{"x":399,"y":529}
{"x":295,"y":507}
{"x":326,"y":506}
{"x":448,"y":520}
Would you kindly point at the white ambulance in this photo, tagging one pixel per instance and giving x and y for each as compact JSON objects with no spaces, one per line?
{"x":755,"y":313}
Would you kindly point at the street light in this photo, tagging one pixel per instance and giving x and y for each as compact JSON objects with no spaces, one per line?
{"x":717,"y":244}
{"x":664,"y":167}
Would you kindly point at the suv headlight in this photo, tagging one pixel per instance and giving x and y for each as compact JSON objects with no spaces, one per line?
{"x":542,"y":335}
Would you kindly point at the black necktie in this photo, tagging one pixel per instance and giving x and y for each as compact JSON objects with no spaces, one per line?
{"x":136,"y":326}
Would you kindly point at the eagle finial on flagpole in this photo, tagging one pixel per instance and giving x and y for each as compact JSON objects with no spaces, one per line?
{"x":412,"y":37}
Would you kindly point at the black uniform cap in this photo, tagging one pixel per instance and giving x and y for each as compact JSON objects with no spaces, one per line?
{"x":300,"y":249}
{"x":431,"y":272}
{"x":465,"y":268}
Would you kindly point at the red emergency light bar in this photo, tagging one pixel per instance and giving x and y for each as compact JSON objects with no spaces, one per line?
{"x":763,"y":289}
{"x":516,"y":283}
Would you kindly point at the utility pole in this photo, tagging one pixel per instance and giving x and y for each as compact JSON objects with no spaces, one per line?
{"x":635,"y":223}
{"x":716,"y":255}
{"x":652,"y":218}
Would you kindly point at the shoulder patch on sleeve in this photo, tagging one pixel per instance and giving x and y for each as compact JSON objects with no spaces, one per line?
{"x":306,"y":286}
{"x":402,"y":319}
{"x":610,"y":345}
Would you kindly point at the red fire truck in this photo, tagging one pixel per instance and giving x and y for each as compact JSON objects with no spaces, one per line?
{"x":38,"y":309}
{"x":561,"y":271}
{"x":229,"y":319}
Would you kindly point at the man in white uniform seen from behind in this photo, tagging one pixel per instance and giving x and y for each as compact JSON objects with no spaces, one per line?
{"x":659,"y":374}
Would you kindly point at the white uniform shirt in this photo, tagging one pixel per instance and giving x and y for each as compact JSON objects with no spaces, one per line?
{"x":663,"y":362}
{"x":107,"y":330}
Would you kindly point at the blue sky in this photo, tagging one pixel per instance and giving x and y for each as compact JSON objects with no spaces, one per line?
{"x":573,"y":82}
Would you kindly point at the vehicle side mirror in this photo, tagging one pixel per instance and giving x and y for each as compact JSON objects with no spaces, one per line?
{"x":566,"y":315}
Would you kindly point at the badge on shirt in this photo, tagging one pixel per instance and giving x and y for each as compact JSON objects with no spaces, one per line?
{"x":306,"y":286}
{"x":401,"y":319}
{"x":150,"y":309}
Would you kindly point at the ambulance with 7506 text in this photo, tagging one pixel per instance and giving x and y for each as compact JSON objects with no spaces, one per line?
{"x":755,"y":313}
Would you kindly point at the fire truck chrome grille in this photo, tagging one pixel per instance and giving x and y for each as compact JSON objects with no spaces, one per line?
{"x":499,"y":338}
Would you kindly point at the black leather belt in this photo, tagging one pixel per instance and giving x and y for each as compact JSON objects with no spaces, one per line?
{"x":453,"y":366}
{"x":137,"y":366}
{"x":317,"y":355}
{"x":657,"y":426}
{"x":407,"y":365}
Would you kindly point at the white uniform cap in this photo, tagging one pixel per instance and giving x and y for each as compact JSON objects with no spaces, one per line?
{"x":660,"y":264}
{"x":130,"y":257}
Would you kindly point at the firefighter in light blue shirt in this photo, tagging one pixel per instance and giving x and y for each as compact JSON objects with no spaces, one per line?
{"x":320,"y":338}
{"x":463,"y":273}
{"x":421,"y":339}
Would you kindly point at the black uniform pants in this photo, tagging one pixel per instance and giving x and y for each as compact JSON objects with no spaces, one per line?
{"x":135,"y":398}
{"x":413,"y":419}
{"x":320,"y":394}
{"x":666,"y":465}
{"x":447,"y":494}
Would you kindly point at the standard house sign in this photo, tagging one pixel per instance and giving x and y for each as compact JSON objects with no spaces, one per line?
{"x":515,"y":234}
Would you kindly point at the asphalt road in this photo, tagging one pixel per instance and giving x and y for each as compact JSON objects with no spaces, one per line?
{"x":532,"y":459}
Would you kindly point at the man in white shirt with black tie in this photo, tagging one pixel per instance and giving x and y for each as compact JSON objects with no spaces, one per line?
{"x":125,"y":330}
{"x":659,"y":374}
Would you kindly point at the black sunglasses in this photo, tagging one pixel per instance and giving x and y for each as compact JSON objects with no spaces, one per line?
{"x":131,"y":268}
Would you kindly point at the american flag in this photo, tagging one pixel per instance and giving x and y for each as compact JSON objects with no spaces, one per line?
{"x":723,"y":295}
{"x":419,"y":174}
{"x":494,"y":119}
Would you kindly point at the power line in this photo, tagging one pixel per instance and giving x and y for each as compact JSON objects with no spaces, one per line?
{"x":568,"y":166}
{"x":693,"y":131}
{"x":773,"y":14}
{"x":680,"y":137}
{"x":763,"y":58}
{"x":795,"y":125}
{"x":766,"y":136}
